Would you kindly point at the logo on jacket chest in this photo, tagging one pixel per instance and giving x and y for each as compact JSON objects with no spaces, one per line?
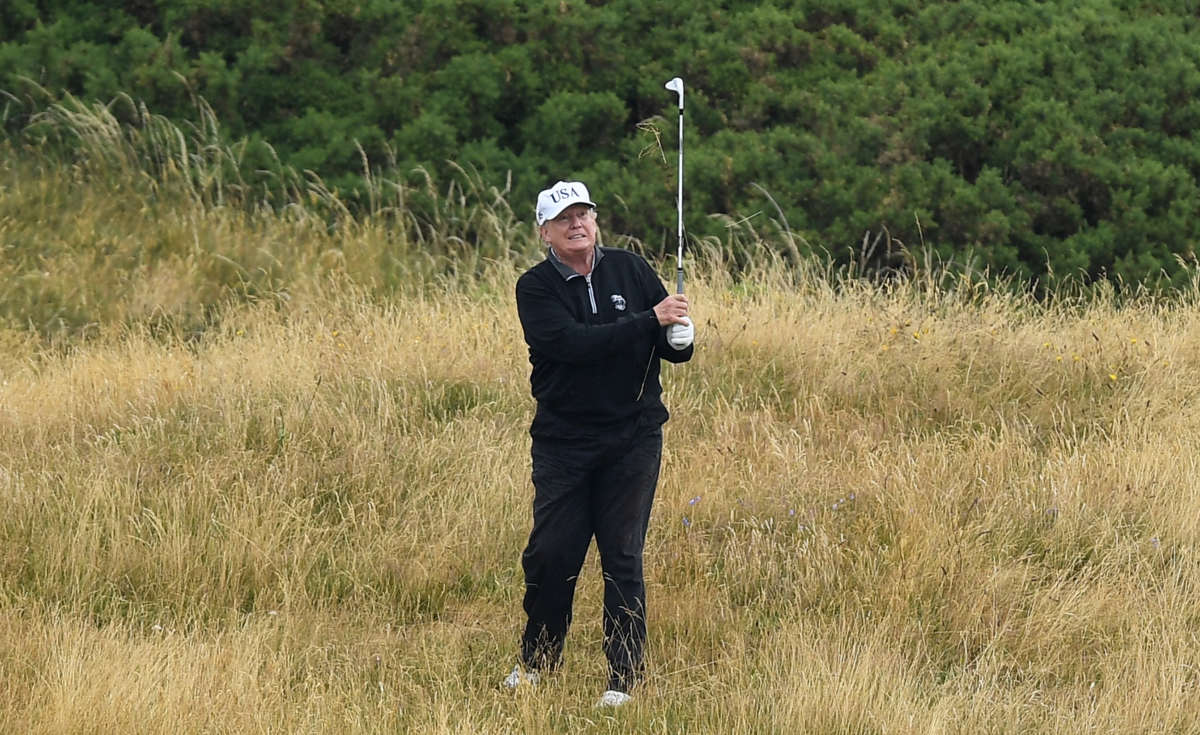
{"x":618,"y":302}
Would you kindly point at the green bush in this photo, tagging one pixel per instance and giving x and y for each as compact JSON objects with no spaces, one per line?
{"x":1047,"y":140}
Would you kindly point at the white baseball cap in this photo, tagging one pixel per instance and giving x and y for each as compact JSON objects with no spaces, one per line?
{"x":552,"y":201}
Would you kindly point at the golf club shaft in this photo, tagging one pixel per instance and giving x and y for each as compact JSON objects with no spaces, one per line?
{"x":676,"y":85}
{"x":679,"y":206}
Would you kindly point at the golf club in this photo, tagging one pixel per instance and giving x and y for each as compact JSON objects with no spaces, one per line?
{"x":676,"y":86}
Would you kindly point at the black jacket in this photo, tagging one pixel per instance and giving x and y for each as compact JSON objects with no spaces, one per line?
{"x":594,"y":352}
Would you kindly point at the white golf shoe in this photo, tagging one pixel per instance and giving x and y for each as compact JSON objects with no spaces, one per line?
{"x":613,"y":698}
{"x":518,"y":677}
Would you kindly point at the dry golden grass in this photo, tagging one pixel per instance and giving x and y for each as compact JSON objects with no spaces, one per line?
{"x":268,"y":473}
{"x":882,"y":510}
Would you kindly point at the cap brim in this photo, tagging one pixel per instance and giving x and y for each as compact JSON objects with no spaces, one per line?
{"x":554,"y":213}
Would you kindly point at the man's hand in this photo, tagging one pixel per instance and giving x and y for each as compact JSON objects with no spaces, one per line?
{"x":672,"y":310}
{"x":680,"y":336}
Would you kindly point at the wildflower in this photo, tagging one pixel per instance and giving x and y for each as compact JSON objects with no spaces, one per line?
{"x":686,"y":523}
{"x":1112,"y":376}
{"x":1154,"y":542}
{"x":1046,"y":345}
{"x":1058,"y":359}
{"x":694,"y":500}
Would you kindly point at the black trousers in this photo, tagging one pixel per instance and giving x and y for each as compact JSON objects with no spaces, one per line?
{"x":583,"y":489}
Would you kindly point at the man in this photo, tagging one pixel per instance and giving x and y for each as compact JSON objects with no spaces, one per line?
{"x":597,"y":321}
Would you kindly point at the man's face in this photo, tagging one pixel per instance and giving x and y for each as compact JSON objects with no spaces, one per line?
{"x":573,"y":232}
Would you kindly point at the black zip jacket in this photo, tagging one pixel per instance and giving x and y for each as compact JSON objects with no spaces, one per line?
{"x":594,"y":344}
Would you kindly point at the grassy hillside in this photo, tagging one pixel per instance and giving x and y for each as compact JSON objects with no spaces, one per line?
{"x":262,"y":473}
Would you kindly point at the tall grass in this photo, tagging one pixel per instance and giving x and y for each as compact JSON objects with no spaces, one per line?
{"x":111,"y":214}
{"x":288,"y":492}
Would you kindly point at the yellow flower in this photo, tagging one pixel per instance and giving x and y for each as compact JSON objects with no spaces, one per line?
{"x":1112,"y":376}
{"x":1058,"y":359}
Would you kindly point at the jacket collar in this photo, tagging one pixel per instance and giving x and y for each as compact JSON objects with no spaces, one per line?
{"x":566,"y":271}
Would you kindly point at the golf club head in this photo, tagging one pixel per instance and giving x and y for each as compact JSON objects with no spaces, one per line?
{"x":676,"y":86}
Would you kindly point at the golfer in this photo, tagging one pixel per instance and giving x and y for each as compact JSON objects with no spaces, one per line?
{"x":597,"y":321}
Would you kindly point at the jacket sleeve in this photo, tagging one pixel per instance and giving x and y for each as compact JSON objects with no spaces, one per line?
{"x":551,"y":330}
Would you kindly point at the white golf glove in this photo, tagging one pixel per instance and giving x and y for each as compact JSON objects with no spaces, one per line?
{"x":680,"y":336}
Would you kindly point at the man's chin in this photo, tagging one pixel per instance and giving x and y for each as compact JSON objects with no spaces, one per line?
{"x":577,"y":247}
